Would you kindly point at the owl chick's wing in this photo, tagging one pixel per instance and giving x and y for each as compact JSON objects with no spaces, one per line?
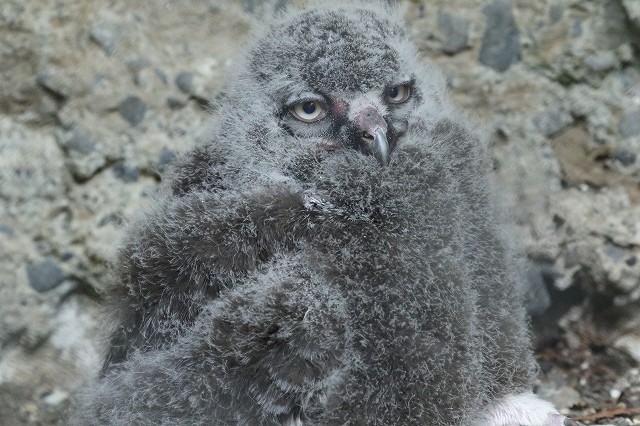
{"x":265,"y":352}
{"x":187,"y":251}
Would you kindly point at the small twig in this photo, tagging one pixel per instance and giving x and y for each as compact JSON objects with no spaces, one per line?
{"x":609,"y":412}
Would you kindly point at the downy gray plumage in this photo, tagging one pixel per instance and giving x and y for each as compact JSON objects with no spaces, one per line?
{"x":333,"y":254}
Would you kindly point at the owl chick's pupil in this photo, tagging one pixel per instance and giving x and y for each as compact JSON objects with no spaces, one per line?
{"x":309,"y":107}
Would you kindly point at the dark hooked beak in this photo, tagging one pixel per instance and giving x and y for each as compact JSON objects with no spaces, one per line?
{"x":374,"y":134}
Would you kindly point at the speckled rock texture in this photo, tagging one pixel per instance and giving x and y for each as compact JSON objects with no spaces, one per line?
{"x":97,"y":99}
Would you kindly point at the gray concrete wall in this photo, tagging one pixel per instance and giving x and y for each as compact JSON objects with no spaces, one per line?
{"x":98,"y":97}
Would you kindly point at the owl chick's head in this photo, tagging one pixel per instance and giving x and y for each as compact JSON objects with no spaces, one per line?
{"x":327,"y":81}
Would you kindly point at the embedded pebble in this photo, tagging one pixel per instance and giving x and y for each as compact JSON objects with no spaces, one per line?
{"x":455,"y":30}
{"x":184,"y":81}
{"x":6,"y":230}
{"x":624,"y":156}
{"x":602,"y":61}
{"x":126,"y":172}
{"x":501,"y":41}
{"x":55,"y":397}
{"x":105,"y":35}
{"x":44,"y":274}
{"x":133,"y":110}
{"x":552,"y":122}
{"x":629,"y":124}
{"x":81,"y":142}
{"x":166,"y":158}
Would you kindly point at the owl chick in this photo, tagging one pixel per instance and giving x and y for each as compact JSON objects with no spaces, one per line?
{"x":332,"y":255}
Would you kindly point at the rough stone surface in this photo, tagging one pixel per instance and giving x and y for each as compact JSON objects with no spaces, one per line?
{"x":630,"y":344}
{"x":632,"y":8}
{"x":562,"y":396}
{"x":97,"y":99}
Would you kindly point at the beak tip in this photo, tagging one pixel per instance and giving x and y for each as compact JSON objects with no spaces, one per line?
{"x":381,"y":146}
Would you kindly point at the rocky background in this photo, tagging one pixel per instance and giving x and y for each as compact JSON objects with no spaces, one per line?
{"x":98,"y":97}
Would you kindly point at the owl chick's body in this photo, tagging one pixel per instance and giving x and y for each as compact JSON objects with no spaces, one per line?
{"x":333,"y":255}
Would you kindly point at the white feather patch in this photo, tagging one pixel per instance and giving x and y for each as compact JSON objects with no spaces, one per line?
{"x":524,"y":409}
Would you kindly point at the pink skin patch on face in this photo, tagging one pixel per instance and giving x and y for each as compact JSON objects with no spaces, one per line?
{"x":340,"y":106}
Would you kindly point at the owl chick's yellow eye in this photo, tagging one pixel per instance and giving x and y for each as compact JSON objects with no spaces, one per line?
{"x":308,"y":111}
{"x":399,"y":94}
